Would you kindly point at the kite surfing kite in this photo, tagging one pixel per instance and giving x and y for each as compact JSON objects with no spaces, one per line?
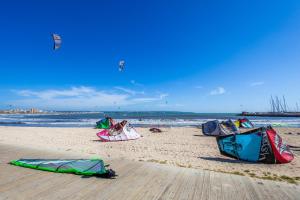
{"x":244,"y":123}
{"x":216,"y":128}
{"x":93,"y":167}
{"x":56,"y":40}
{"x":259,"y":145}
{"x":119,"y":132}
{"x":105,"y":123}
{"x":121,"y":65}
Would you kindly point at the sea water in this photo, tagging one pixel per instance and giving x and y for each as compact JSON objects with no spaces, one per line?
{"x":138,"y":119}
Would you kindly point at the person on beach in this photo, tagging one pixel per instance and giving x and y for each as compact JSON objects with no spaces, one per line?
{"x":117,"y":128}
{"x":111,"y":121}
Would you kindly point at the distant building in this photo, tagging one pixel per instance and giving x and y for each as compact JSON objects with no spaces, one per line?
{"x":21,"y":111}
{"x":33,"y":110}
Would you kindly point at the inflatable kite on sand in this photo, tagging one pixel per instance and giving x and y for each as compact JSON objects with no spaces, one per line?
{"x":259,"y":145}
{"x":244,"y":123}
{"x":215,"y":128}
{"x":105,"y":123}
{"x":93,"y":167}
{"x":119,"y":132}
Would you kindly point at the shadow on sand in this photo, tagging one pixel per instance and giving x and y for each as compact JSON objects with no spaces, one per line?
{"x":111,"y":174}
{"x":100,"y":177}
{"x":96,"y":141}
{"x":227,"y":160}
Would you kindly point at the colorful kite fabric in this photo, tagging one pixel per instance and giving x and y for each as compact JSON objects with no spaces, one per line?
{"x":244,"y":123}
{"x":258,"y":145}
{"x":93,"y":167}
{"x":104,"y":124}
{"x":215,"y":128}
{"x":125,"y":132}
{"x":229,"y":127}
{"x":57,"y":41}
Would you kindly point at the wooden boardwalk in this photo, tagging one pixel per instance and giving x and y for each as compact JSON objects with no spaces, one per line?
{"x":135,"y":180}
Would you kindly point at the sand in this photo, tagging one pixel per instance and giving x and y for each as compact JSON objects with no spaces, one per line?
{"x":183,"y":147}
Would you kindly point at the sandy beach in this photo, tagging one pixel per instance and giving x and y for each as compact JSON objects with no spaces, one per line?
{"x":184,"y":147}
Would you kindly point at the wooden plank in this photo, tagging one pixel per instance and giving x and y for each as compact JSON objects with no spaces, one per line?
{"x":136,"y":180}
{"x":241,"y":191}
{"x":186,"y":191}
{"x":216,"y":190}
{"x":156,"y":185}
{"x":55,"y":187}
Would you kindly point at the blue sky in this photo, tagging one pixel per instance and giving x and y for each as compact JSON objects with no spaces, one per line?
{"x":202,"y":56}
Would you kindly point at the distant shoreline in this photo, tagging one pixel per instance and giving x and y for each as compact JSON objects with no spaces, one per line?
{"x":22,"y":113}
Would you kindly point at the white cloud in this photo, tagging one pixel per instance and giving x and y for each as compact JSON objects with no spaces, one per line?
{"x":163,"y":95}
{"x":48,"y":94}
{"x":129,"y":91}
{"x":151,"y":99}
{"x":133,"y":82}
{"x":81,"y":98}
{"x":218,"y":91}
{"x":257,"y":83}
{"x":167,"y":105}
{"x":145,"y":100}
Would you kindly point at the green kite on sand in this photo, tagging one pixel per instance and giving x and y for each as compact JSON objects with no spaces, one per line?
{"x":105,"y":123}
{"x":88,"y":167}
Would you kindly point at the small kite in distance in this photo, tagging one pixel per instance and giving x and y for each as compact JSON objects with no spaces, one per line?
{"x":121,"y":65}
{"x":56,"y":40}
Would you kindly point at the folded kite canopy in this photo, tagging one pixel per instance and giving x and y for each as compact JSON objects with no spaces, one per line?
{"x":215,"y":128}
{"x":93,"y":167}
{"x":104,"y":123}
{"x":244,"y":123}
{"x":258,"y":145}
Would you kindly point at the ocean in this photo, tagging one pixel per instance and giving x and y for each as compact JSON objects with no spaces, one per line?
{"x":138,"y":119}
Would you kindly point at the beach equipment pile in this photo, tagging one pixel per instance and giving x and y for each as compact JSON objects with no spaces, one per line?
{"x":258,"y":145}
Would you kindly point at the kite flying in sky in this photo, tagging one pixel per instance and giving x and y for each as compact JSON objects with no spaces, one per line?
{"x":57,"y":41}
{"x":121,"y":65}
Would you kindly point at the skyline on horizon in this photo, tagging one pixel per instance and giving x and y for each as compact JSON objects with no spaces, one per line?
{"x":193,"y":56}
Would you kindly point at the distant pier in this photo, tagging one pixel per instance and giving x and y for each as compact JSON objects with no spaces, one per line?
{"x":271,"y":114}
